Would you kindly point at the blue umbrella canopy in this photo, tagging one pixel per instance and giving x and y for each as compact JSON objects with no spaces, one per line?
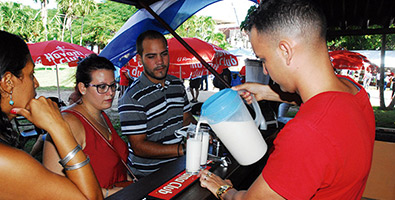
{"x":123,"y":45}
{"x":174,"y":12}
{"x":163,"y":16}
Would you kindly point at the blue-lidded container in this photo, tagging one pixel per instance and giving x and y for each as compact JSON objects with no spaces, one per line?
{"x":225,"y":105}
{"x":221,"y":106}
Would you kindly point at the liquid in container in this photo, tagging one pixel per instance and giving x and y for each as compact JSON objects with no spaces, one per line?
{"x":231,"y":121}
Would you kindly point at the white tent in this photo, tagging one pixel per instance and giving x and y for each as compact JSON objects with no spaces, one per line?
{"x":375,"y":57}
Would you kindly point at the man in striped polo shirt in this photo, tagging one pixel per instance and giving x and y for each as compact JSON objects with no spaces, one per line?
{"x":153,"y":107}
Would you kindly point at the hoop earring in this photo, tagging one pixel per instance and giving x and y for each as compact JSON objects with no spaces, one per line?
{"x":11,"y":102}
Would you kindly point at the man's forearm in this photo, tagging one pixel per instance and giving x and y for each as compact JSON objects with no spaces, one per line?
{"x":265,"y":92}
{"x":156,"y":150}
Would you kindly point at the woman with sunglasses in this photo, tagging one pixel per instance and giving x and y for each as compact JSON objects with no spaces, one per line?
{"x":91,"y":127}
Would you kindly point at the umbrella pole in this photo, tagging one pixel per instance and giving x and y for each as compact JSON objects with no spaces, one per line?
{"x":180,"y":73}
{"x":186,"y":45}
{"x":57,"y":80}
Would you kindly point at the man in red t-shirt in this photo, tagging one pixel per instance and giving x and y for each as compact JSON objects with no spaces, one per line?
{"x":125,"y":78}
{"x":325,"y":152}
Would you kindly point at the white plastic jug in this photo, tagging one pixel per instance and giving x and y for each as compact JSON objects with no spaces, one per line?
{"x":229,"y":118}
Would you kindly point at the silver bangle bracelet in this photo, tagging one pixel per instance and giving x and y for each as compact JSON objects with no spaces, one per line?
{"x":78,"y":165}
{"x":70,"y":155}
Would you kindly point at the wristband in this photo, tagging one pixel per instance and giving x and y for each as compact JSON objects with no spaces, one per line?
{"x":222,"y":190}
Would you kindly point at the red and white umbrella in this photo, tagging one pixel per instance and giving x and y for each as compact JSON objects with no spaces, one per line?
{"x":54,"y":52}
{"x":182,"y":61}
{"x":343,"y":59}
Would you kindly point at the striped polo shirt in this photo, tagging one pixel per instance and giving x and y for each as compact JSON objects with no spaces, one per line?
{"x":148,"y":108}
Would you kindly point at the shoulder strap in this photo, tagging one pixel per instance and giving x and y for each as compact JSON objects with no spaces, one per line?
{"x":352,"y":82}
{"x":106,"y":141}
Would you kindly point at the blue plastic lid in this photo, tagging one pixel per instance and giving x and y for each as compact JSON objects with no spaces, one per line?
{"x":220,"y":106}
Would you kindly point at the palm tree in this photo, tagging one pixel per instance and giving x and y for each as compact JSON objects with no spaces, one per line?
{"x":44,"y":15}
{"x":20,"y":20}
{"x":203,"y":27}
{"x":68,"y":9}
{"x":101,"y":25}
{"x":197,"y":27}
{"x":85,"y":8}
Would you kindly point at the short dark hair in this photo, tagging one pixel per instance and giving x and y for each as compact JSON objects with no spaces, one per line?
{"x":150,"y":34}
{"x":89,"y":64}
{"x":273,"y":16}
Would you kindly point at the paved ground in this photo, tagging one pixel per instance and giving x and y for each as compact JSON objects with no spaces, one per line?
{"x":204,"y":95}
{"x":375,"y":96}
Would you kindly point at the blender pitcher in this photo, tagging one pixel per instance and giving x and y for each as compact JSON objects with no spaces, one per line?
{"x":229,"y":118}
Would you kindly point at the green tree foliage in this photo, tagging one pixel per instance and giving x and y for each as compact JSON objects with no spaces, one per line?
{"x":88,"y":7}
{"x":365,"y":42}
{"x":95,"y":23}
{"x":102,"y":23}
{"x":197,"y":27}
{"x":71,"y":10}
{"x":110,"y":18}
{"x":202,"y":27}
{"x":44,"y":15}
{"x":20,"y":20}
{"x":88,"y":23}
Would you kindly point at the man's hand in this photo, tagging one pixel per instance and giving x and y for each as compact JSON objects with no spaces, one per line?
{"x":266,"y":92}
{"x":260,"y":91}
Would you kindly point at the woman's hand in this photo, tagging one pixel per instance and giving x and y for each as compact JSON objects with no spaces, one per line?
{"x":42,"y":112}
{"x":45,"y":114}
{"x":211,"y":181}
